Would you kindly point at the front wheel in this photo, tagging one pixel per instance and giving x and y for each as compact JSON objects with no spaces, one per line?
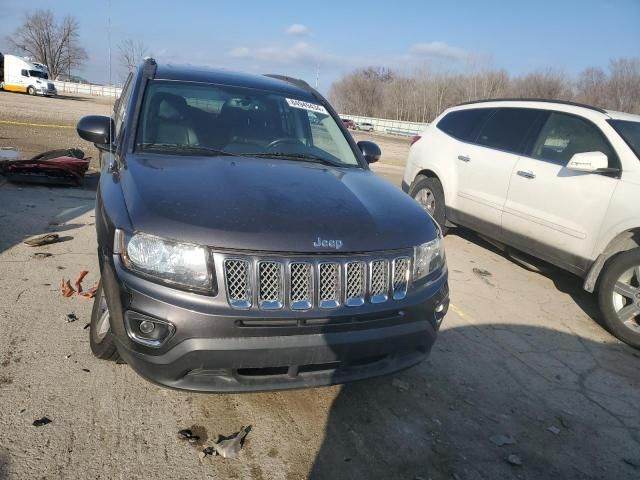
{"x":619,"y":296}
{"x":428,"y":192}
{"x":31,"y":91}
{"x":100,"y":340}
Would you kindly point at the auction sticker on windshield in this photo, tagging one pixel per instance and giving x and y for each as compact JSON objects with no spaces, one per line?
{"x":312,"y":107}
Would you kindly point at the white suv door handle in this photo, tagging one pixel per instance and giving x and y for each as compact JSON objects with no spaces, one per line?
{"x":464,"y":158}
{"x":526,"y":174}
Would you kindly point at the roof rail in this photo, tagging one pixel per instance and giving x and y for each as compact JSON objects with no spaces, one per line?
{"x":547,"y":100}
{"x":294,"y":81}
{"x":149,"y":67}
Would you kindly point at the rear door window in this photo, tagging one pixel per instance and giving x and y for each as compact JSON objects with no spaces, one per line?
{"x":463,"y":124}
{"x":507,"y":129}
{"x":564,"y":135}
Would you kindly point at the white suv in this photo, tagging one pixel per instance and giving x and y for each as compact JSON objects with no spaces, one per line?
{"x":556,"y":180}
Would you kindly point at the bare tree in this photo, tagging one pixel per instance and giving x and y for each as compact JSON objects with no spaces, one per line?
{"x":131,"y":54}
{"x":423,"y":95}
{"x":542,"y":84}
{"x":55,"y":44}
{"x":624,"y":84}
{"x":591,"y":87}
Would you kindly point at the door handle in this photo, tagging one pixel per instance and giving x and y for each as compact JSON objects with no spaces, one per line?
{"x":526,"y":174}
{"x":464,"y":158}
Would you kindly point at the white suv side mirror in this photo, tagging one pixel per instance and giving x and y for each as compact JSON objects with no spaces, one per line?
{"x":589,"y":162}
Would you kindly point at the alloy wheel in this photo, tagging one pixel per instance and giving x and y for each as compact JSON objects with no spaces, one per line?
{"x":626,"y":298}
{"x":426,"y":199}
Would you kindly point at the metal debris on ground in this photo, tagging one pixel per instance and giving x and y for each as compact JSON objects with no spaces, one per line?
{"x":86,"y":370}
{"x":71,"y":317}
{"x":226,"y":447}
{"x":230,"y":447}
{"x":41,"y":255}
{"x":41,"y":421}
{"x":400,"y":384}
{"x":514,"y":459}
{"x":86,"y":325}
{"x":41,"y":240}
{"x":501,"y":440}
{"x":553,"y":429}
{"x":188,"y":435}
{"x":58,"y":167}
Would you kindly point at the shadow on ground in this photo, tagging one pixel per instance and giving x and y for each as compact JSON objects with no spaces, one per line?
{"x":564,"y":281}
{"x":28,"y":210}
{"x":449,"y":413}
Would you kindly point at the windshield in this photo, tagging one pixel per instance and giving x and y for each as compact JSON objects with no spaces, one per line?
{"x":38,"y":74}
{"x":203,"y":119}
{"x":630,"y":132}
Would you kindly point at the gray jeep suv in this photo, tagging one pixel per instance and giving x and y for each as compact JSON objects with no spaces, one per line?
{"x":244,"y":244}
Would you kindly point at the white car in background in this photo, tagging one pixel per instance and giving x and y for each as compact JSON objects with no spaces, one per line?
{"x":556,"y":180}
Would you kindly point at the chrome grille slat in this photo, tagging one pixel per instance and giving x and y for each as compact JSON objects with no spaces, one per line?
{"x":400,"y":277}
{"x":270,"y":293}
{"x":379,"y":281}
{"x":329,"y":285}
{"x":300,"y":286}
{"x":305,"y":282}
{"x":237,"y":283}
{"x":355,"y":284}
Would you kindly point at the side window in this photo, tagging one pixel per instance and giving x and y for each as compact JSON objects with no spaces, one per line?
{"x":564,"y":135}
{"x":120,"y":112}
{"x":507,"y":129}
{"x":24,"y":73}
{"x":463,"y":124}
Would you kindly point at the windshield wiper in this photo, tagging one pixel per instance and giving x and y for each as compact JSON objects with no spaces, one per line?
{"x":195,"y":149}
{"x":305,"y":157}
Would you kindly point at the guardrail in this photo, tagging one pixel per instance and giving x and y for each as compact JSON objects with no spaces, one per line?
{"x":393,"y":127}
{"x":88,"y":89}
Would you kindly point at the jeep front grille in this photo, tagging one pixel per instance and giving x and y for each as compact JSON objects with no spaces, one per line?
{"x":329,"y":285}
{"x":400,"y":277}
{"x":271,"y":285}
{"x":238,"y":288}
{"x":355,"y":284}
{"x":270,"y":282}
{"x":300,"y":289}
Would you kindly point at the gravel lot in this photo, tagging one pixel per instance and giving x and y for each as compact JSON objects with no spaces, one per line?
{"x":521,"y":359}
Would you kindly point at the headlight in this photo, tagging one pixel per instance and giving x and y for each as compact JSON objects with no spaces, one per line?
{"x":172,"y":262}
{"x":428,"y":257}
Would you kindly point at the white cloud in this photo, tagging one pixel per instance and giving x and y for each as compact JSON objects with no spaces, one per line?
{"x":439,"y":50}
{"x":297,"y":29}
{"x":300,"y":53}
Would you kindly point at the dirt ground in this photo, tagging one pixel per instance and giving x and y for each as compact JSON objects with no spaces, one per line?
{"x":521,"y":361}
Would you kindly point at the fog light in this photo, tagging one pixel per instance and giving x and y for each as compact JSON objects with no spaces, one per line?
{"x":149,"y":331}
{"x":439,"y":308}
{"x":147,"y":327}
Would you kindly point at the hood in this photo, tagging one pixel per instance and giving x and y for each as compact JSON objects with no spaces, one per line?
{"x":269,"y":205}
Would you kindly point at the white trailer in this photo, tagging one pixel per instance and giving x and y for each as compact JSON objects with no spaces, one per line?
{"x":20,"y":75}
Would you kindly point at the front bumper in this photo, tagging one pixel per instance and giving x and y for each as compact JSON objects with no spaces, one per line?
{"x":222,"y":351}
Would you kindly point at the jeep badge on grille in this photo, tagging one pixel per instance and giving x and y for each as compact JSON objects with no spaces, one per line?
{"x":337,"y":244}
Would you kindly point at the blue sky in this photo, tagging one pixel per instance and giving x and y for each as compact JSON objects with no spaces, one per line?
{"x":297,"y":37}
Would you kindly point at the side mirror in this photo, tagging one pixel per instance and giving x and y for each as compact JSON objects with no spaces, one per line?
{"x":589,"y":162}
{"x":370,"y":151}
{"x":96,"y":129}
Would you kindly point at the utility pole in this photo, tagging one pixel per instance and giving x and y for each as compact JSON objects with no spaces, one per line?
{"x":317,"y":75}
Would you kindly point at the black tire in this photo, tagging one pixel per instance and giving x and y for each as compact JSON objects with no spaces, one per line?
{"x":31,"y":91}
{"x":613,"y":270}
{"x":433,"y":185}
{"x":104,"y":348}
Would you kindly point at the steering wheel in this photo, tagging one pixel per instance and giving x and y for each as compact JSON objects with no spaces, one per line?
{"x":283,"y":141}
